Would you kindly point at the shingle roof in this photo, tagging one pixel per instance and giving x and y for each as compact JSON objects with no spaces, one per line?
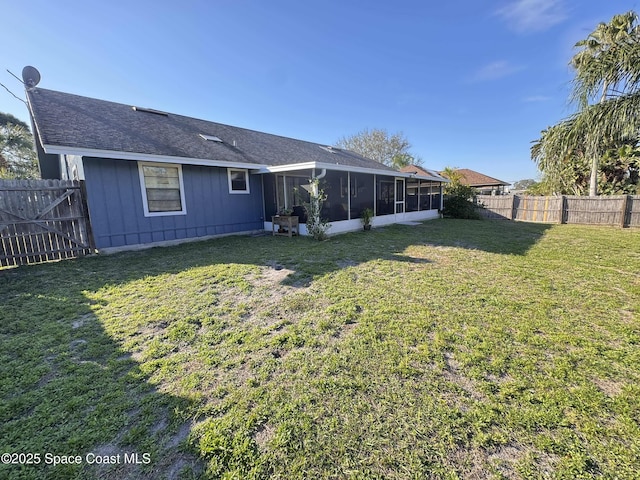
{"x":77,"y":122}
{"x":420,"y":171}
{"x":477,"y":179}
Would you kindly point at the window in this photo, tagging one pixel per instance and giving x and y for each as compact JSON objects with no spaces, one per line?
{"x":425,"y":195}
{"x":385,"y":204}
{"x":162,"y":189}
{"x":413,"y":193}
{"x":238,"y":180}
{"x":335,"y":185}
{"x":292,"y":192}
{"x":362,"y":193}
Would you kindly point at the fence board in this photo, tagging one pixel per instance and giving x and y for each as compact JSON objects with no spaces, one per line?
{"x":42,"y":220}
{"x":633,"y":211}
{"x":620,"y":210}
{"x":497,"y":206}
{"x":538,"y":209}
{"x":595,"y":210}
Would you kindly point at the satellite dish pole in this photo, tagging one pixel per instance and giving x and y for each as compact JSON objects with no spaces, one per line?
{"x":30,"y":77}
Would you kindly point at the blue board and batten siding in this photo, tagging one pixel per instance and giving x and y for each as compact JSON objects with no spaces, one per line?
{"x":116,"y":206}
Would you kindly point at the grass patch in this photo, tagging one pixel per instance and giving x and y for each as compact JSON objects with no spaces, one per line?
{"x":454,"y":349}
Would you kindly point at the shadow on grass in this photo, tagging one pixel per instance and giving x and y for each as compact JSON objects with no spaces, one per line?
{"x":309,"y":258}
{"x":68,"y":388}
{"x":393,"y":242}
{"x":494,"y":236}
{"x":70,"y":395}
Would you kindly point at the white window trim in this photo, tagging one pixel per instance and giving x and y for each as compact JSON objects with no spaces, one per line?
{"x":246,"y":178}
{"x":143,"y":189}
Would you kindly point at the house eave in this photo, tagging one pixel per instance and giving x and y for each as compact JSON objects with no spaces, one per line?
{"x":423,"y":177}
{"x":256,"y":168}
{"x":288,"y":168}
{"x":146,"y":157}
{"x":345,"y":168}
{"x":481,"y":185}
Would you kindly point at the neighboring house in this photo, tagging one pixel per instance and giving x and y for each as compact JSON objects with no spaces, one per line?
{"x":154,"y":177}
{"x":483,"y":183}
{"x":417,"y":196}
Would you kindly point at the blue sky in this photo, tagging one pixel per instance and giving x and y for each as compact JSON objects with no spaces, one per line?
{"x":469,"y":83}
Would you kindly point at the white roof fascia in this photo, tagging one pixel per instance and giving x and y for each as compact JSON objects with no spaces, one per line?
{"x":347,"y":168}
{"x":328,"y":166}
{"x":147,"y":157}
{"x":388,"y":173}
{"x":423,"y":177}
{"x":288,"y":168}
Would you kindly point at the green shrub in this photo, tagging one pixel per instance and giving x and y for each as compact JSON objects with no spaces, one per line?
{"x":316,"y":225}
{"x":459,"y":198}
{"x":459,"y":207}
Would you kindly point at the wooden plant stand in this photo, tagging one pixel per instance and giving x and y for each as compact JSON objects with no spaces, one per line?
{"x":287,"y":225}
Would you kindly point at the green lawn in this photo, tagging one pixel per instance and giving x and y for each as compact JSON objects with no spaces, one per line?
{"x":453,"y":349}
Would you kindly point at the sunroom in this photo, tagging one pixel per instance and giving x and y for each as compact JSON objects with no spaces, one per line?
{"x":393,"y":196}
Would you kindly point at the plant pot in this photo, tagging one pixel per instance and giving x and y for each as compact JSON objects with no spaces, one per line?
{"x":367,"y":227}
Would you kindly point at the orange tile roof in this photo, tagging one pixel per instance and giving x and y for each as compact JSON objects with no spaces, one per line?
{"x":477,"y":179}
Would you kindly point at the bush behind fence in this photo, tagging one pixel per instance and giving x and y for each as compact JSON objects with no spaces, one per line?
{"x":619,"y":210}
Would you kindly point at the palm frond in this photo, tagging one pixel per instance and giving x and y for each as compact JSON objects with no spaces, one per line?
{"x":608,"y":60}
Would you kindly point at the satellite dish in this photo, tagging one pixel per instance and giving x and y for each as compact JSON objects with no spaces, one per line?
{"x":30,"y":76}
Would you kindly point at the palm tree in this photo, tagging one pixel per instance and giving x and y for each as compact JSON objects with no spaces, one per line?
{"x":606,"y":89}
{"x":607,"y":64}
{"x":562,"y":165}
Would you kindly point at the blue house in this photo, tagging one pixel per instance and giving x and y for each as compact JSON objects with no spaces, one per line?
{"x":154,"y":177}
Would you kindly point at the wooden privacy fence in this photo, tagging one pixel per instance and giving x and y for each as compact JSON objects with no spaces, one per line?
{"x":43,"y":220}
{"x":620,"y":210}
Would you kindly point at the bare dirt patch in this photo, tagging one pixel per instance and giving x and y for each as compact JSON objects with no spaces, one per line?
{"x":609,"y":387}
{"x":506,"y":457}
{"x":472,"y":463}
{"x":82,"y":320}
{"x":269,"y":289}
{"x":452,"y":374}
{"x":170,"y":462}
{"x":263,"y":436}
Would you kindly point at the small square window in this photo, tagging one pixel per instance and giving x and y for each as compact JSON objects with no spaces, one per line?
{"x":238,"y":180}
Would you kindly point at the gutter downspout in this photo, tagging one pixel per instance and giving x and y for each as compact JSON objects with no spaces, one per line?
{"x":314,"y":188}
{"x":322,"y":175}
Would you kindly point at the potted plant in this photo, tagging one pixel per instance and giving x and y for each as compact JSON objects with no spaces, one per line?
{"x":367,"y":215}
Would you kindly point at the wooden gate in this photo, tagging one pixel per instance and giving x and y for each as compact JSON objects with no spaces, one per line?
{"x":43,"y":220}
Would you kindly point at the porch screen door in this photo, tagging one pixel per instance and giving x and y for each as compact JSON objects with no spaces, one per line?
{"x":399,"y":195}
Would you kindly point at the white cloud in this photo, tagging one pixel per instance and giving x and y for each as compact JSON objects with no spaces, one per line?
{"x":525,"y":16}
{"x":495,"y":70}
{"x":536,"y":98}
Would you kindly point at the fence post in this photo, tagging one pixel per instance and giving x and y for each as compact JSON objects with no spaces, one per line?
{"x":513,"y":206}
{"x":563,"y":202}
{"x":625,"y":207}
{"x":85,"y":212}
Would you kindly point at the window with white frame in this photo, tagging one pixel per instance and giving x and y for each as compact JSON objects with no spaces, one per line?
{"x":162,"y":189}
{"x":238,"y":180}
